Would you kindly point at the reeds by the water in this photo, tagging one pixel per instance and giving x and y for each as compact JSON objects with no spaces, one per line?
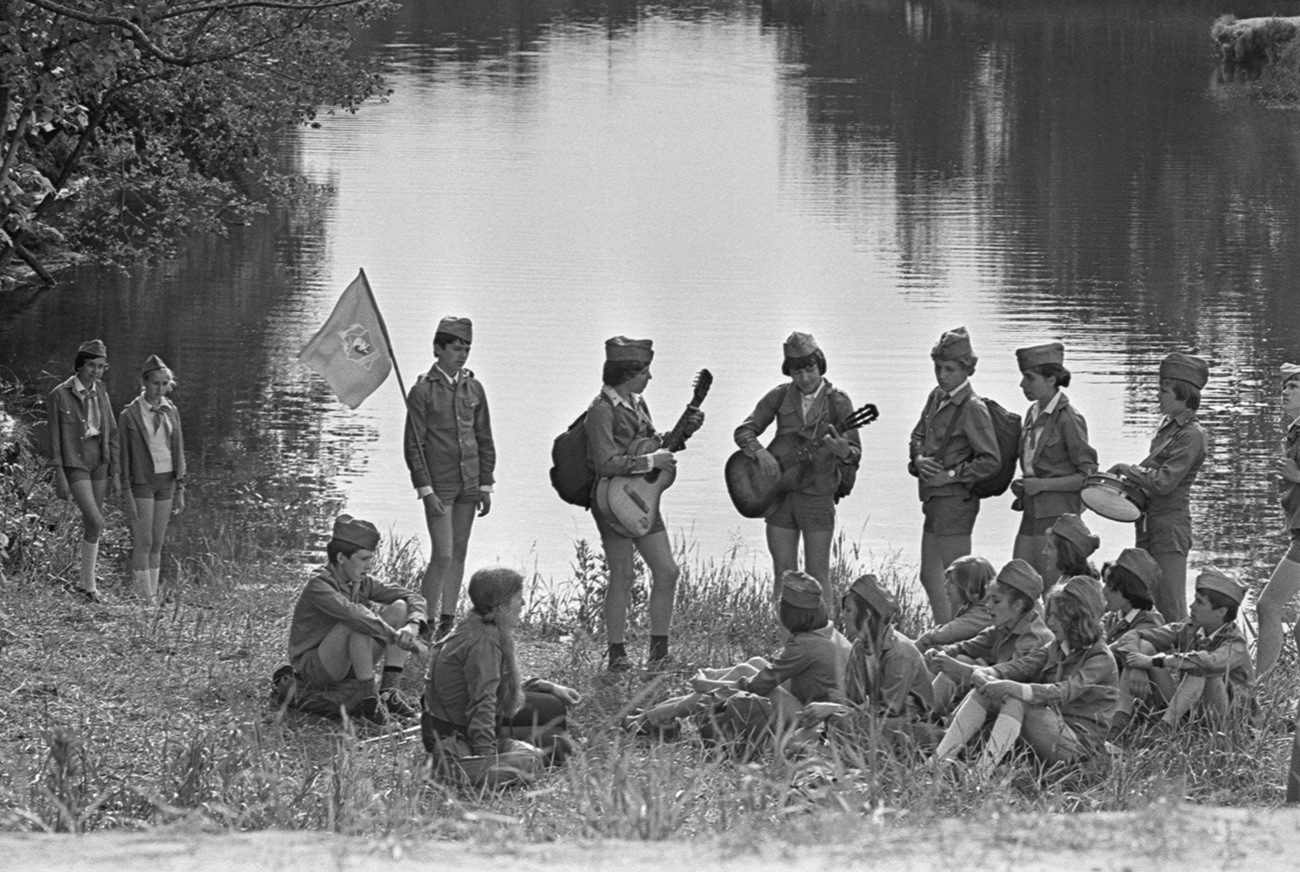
{"x":125,"y":716}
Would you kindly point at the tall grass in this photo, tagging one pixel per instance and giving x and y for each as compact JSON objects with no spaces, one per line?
{"x":122,"y":716}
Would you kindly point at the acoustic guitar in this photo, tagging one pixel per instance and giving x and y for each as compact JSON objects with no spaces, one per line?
{"x":630,"y":503}
{"x":753,"y":493}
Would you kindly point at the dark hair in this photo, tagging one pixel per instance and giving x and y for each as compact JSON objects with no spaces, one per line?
{"x":972,"y":575}
{"x":1082,"y":628}
{"x":442,"y":339}
{"x":1070,"y":560}
{"x":336,"y":548}
{"x":790,"y":364}
{"x":1187,"y":392}
{"x":1126,"y":583}
{"x":616,"y":372}
{"x":1018,"y":597}
{"x":82,"y":357}
{"x":1220,"y":601}
{"x":1059,"y":375}
{"x":800,"y":620}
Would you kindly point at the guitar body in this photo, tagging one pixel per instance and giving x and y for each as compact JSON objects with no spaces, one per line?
{"x":630,"y":503}
{"x":752,"y":492}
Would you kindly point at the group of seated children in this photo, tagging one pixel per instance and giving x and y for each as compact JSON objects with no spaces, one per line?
{"x":1062,"y":679}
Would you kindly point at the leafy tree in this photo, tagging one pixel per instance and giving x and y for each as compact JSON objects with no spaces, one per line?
{"x":126,"y":125}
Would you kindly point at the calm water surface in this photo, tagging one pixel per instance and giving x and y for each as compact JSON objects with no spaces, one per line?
{"x":715,"y":175}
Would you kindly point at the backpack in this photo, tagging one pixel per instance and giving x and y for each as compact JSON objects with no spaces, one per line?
{"x":1006,"y":427}
{"x":571,"y":472}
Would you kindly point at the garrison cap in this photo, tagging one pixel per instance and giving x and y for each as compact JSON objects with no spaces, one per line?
{"x":799,"y":345}
{"x":882,"y":602}
{"x":1071,"y":527}
{"x":1141,"y":564}
{"x":153,"y":364}
{"x":1086,"y":589}
{"x":354,"y":531}
{"x":1290,"y":371}
{"x":622,"y":348}
{"x":461,"y":328}
{"x":94,"y":347}
{"x":1020,"y":576}
{"x":1185,"y":368}
{"x":1213,"y":579}
{"x":800,"y":589}
{"x":952,"y":345}
{"x":1037,"y":355}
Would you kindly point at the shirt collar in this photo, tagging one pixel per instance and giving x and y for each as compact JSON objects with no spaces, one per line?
{"x":443,"y":373}
{"x":1131,"y":615}
{"x":953,"y":394}
{"x":1182,"y":419}
{"x":77,"y":387}
{"x":163,"y":403}
{"x":1295,"y":425}
{"x":1058,"y":399}
{"x":617,"y":399}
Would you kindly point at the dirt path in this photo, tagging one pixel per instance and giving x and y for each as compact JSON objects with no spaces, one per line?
{"x":1171,"y":838}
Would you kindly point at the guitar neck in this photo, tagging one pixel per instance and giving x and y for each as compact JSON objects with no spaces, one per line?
{"x":676,"y":438}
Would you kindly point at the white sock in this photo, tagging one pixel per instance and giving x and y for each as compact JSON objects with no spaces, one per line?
{"x":89,"y":557}
{"x":154,"y":573}
{"x":140,"y":581}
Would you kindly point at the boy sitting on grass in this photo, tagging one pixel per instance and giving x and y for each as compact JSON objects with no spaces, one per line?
{"x":337,"y":641}
{"x":1201,"y":664}
{"x":966,"y":581}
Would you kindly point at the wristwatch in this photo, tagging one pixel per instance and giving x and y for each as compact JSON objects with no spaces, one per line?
{"x":952,"y":473}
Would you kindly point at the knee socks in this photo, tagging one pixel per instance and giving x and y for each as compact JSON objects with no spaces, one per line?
{"x":89,"y":557}
{"x":658,"y":647}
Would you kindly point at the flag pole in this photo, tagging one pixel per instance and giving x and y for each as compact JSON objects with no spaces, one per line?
{"x":397,"y":370}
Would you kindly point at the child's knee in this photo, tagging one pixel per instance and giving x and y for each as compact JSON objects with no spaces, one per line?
{"x":395,"y":613}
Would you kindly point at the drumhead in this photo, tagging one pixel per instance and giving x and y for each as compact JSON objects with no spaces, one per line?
{"x":1109,"y":503}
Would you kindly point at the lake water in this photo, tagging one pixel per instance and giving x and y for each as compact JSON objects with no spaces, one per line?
{"x":715,"y":175}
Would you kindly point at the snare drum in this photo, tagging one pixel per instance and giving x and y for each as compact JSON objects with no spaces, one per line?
{"x":1113,"y":496}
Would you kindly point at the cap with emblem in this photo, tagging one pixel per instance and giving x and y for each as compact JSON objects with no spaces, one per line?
{"x":354,"y":531}
{"x":622,"y":348}
{"x":1212,"y":579}
{"x":1071,"y":528}
{"x":461,"y":328}
{"x":800,"y":589}
{"x":952,"y":345}
{"x":799,"y":345}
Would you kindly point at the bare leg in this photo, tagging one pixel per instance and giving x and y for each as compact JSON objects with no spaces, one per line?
{"x":1281,"y":589}
{"x":817,"y":563}
{"x":1185,"y":698}
{"x":462,"y":522}
{"x":1171,"y":593}
{"x":1030,"y":550}
{"x":657,"y":552}
{"x":618,"y":555}
{"x":937,"y":553}
{"x":441,"y":538}
{"x":783,"y":543}
{"x":394,"y":615}
{"x":89,"y":497}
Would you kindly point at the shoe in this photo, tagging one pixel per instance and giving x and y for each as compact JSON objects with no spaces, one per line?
{"x":619,"y":664}
{"x":373,"y":711}
{"x":398,"y":704}
{"x":90,"y":596}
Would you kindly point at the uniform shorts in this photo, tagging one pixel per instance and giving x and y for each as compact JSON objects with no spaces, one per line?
{"x":161,"y":486}
{"x":1031,"y":523}
{"x":607,"y":530}
{"x":811,"y":513}
{"x":92,"y":454}
{"x":456,"y":492}
{"x":950,"y":516}
{"x":1165,"y":534}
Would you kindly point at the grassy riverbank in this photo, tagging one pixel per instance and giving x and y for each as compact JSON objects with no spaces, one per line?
{"x":117,"y":715}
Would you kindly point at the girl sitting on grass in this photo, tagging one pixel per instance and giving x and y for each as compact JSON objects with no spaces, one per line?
{"x":1130,"y":604}
{"x":475,"y":700}
{"x":758,"y":695}
{"x":1060,"y":699}
{"x":966,"y":580}
{"x":1017,"y":630}
{"x":1069,"y":545}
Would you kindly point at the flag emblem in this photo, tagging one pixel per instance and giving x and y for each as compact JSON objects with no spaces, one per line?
{"x":350,"y":351}
{"x":357,"y":345}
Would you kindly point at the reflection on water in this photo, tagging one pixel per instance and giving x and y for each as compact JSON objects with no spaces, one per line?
{"x":715,"y":175}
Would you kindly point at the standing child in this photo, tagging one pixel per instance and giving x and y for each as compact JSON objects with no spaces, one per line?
{"x":1016,"y":632}
{"x":953,"y":445}
{"x":1166,"y":477}
{"x":808,"y":405}
{"x":152,"y":461}
{"x":1199,"y":664}
{"x":451,"y":456}
{"x":1055,"y":456}
{"x":966,"y":582}
{"x":1284,"y":584}
{"x":82,"y":443}
{"x":1059,"y":700}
